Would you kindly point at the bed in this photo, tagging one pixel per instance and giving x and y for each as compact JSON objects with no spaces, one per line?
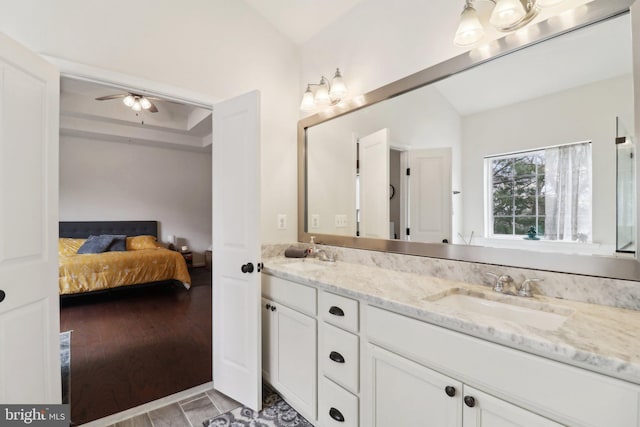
{"x":144,"y":261}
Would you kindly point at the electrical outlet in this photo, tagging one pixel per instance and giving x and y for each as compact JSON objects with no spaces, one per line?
{"x":315,"y":221}
{"x":282,"y":221}
{"x":341,"y":221}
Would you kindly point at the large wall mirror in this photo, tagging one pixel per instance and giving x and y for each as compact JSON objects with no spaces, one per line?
{"x":526,"y":159}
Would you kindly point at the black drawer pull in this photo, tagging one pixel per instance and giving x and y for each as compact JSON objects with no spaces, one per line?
{"x":336,"y":415}
{"x":2,"y":295}
{"x":336,"y":357}
{"x":336,"y":311}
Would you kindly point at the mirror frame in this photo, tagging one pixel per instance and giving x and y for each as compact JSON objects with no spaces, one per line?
{"x":589,"y":265}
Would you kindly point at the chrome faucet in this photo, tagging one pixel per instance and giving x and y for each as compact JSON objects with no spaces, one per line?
{"x":324,"y":255}
{"x":525,"y":289}
{"x":501,"y":281}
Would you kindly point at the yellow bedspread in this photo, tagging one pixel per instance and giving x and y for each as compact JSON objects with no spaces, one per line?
{"x":91,"y":272}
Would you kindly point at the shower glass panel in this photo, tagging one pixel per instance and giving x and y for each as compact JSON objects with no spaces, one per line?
{"x":625,"y":189}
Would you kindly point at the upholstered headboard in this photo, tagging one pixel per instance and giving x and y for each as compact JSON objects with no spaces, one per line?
{"x":82,"y":229}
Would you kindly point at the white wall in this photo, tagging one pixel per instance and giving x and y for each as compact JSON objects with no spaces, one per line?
{"x":103,"y":180}
{"x":586,"y":113}
{"x":219,"y":48}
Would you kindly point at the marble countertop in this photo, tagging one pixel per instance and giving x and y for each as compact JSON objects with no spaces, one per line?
{"x":599,"y":338}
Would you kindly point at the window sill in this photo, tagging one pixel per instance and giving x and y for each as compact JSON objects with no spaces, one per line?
{"x":548,"y":246}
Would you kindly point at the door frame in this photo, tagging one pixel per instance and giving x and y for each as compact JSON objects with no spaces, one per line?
{"x":77,"y":71}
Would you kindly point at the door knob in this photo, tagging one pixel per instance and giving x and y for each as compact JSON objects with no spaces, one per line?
{"x":2,"y":295}
{"x":247,"y":268}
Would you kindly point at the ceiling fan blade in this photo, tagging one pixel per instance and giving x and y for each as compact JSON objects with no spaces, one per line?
{"x":108,"y":97}
{"x":152,"y":108}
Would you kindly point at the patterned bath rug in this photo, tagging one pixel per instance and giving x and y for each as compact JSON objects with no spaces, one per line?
{"x":275,"y":413}
{"x":65,"y":365}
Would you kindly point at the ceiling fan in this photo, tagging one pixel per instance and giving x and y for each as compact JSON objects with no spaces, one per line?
{"x":134,"y":101}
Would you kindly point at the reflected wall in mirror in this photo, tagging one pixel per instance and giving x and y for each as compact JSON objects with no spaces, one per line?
{"x":519,"y":152}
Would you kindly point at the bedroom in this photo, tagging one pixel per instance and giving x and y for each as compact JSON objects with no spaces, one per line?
{"x":117,"y":165}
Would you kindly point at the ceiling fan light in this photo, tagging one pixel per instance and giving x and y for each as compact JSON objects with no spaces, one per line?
{"x":470,"y":30}
{"x":507,"y":13}
{"x":548,"y":3}
{"x":308,"y":103}
{"x":137,"y":106}
{"x":129,"y":100}
{"x":145,"y":103}
{"x":338,"y":88}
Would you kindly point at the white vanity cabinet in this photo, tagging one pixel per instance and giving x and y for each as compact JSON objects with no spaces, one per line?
{"x":289,"y":342}
{"x":509,"y":387}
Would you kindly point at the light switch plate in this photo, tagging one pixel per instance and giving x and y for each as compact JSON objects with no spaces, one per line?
{"x":282,"y":221}
{"x":315,"y":221}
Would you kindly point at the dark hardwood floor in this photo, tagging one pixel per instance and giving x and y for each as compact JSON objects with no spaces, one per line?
{"x":132,"y":346}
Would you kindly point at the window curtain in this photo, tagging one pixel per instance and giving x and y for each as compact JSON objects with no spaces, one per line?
{"x":568,"y":193}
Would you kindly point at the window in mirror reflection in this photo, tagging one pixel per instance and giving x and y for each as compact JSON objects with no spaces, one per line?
{"x":542,"y":194}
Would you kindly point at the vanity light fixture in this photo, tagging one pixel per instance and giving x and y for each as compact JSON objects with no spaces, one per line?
{"x":506,"y":16}
{"x":326,"y":93}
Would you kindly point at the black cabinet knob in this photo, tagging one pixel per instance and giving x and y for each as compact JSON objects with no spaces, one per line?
{"x":450,"y":390}
{"x":336,"y":415}
{"x":336,"y":311}
{"x":273,"y":308}
{"x":268,"y":306}
{"x":470,"y":401}
{"x":336,"y":357}
{"x":3,"y":295}
{"x":247,"y":268}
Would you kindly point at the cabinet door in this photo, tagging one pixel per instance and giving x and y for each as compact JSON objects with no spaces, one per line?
{"x":295,"y":374}
{"x":399,"y":392}
{"x":269,"y":336}
{"x":488,"y":411}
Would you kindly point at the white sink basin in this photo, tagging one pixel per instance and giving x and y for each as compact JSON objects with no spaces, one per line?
{"x":304,"y":266}
{"x":535,"y":317}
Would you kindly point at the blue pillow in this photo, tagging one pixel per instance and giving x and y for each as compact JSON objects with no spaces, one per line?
{"x":119,"y":242}
{"x":96,"y":244}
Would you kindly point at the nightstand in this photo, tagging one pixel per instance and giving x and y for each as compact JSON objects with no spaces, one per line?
{"x":188,"y":257}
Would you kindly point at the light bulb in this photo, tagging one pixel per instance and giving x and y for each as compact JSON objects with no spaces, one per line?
{"x":145,"y":103}
{"x":307,"y":104}
{"x":129,"y":100}
{"x":322,"y":97}
{"x":136,"y":105}
{"x":470,"y":29}
{"x":338,"y":88}
{"x":507,"y":13}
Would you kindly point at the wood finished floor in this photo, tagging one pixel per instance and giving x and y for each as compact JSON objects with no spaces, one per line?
{"x":134,"y":346}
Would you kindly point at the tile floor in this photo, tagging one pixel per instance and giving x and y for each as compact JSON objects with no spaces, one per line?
{"x":191,"y":412}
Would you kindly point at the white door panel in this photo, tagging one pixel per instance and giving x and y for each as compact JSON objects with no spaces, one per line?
{"x":29,"y":314}
{"x":236,"y":242}
{"x":430,"y":195}
{"x":374,"y":184}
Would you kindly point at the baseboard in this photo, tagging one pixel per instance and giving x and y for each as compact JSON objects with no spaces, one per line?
{"x":147,"y":407}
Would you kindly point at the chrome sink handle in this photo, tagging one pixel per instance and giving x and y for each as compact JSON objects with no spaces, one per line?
{"x":525,"y":289}
{"x":504,"y":281}
{"x":497,"y":285}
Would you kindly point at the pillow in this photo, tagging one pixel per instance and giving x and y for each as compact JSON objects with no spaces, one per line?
{"x":141,"y":242}
{"x":96,"y":244}
{"x":68,"y":246}
{"x":119,"y":242}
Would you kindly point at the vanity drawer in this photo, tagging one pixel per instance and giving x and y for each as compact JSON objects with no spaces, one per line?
{"x":339,"y":356}
{"x":339,"y":311}
{"x":292,"y":294}
{"x":336,"y":406}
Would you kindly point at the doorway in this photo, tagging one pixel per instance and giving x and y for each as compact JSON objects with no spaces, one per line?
{"x":133,"y":346}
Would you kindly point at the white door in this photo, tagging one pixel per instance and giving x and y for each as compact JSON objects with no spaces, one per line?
{"x":29,"y":311}
{"x":400,"y":392}
{"x":374,"y":184}
{"x":430,"y":195}
{"x":487,"y":411}
{"x":236,"y":249}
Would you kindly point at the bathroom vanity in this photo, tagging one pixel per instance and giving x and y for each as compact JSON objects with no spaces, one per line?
{"x":354,"y":345}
